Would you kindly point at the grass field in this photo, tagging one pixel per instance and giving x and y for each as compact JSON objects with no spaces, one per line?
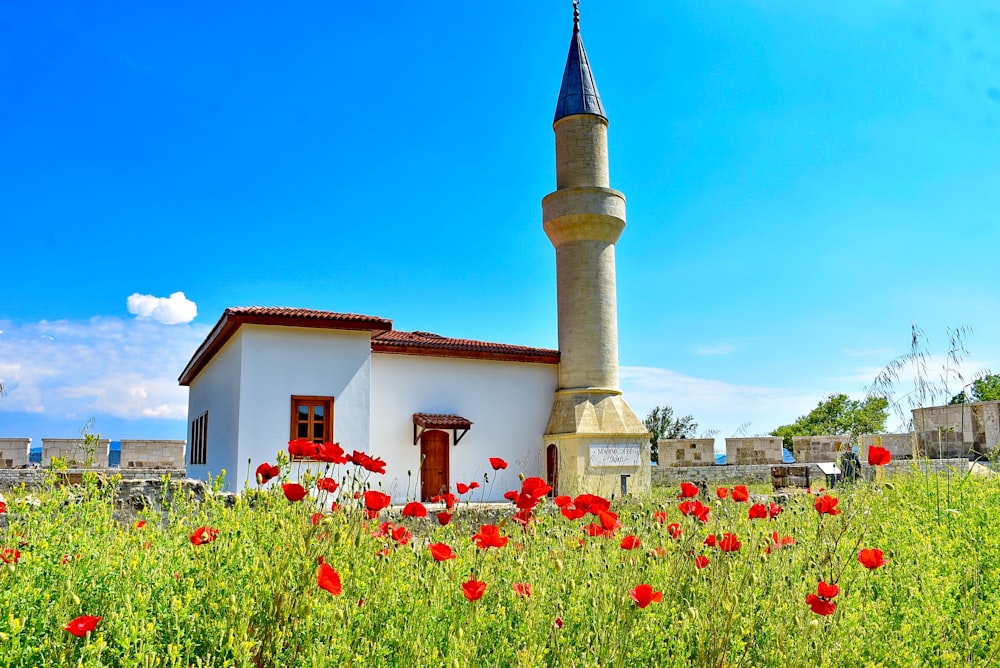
{"x":269,"y":582}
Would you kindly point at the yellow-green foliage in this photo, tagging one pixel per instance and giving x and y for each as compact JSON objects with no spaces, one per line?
{"x":250,"y":598}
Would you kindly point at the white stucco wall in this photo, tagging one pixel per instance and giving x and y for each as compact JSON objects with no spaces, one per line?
{"x":217,"y":390}
{"x":508,"y":403}
{"x":279,"y":362}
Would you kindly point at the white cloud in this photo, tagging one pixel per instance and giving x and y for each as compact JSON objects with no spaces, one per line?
{"x":102,"y":366}
{"x":717,"y":349}
{"x":718,"y":405}
{"x":172,"y":310}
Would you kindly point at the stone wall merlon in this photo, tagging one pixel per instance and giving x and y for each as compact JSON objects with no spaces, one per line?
{"x":754,"y":450}
{"x":808,"y":449}
{"x":73,"y":452}
{"x":152,"y":453}
{"x":14,"y":452}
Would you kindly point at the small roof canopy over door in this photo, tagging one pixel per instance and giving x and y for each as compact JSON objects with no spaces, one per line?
{"x":454,"y":423}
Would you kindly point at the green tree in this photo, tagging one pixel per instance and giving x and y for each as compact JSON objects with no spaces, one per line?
{"x":661,"y":424}
{"x":838,"y":414}
{"x":986,"y":388}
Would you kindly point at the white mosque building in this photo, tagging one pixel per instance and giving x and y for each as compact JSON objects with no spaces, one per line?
{"x":437,"y":408}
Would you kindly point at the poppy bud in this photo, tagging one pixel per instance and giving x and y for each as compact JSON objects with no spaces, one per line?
{"x":813,"y":624}
{"x":76,"y":600}
{"x":521,"y":476}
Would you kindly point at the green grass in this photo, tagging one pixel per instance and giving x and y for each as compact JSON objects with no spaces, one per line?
{"x":250,"y":598}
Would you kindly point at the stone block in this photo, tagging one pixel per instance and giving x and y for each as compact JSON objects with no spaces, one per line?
{"x":753,"y":450}
{"x":14,"y":452}
{"x":820,"y":448}
{"x":686,"y":452}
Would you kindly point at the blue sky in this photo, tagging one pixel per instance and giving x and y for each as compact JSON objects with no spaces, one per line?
{"x":804,"y":180}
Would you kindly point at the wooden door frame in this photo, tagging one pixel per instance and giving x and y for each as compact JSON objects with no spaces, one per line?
{"x":424,"y":496}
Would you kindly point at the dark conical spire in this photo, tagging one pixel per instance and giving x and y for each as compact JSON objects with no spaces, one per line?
{"x":578,"y":94}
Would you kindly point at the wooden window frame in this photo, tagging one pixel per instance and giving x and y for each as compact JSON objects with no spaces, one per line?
{"x":199,"y":440}
{"x":299,"y":400}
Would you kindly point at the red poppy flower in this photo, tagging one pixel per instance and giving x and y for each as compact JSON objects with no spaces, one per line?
{"x":522,"y":589}
{"x":701,"y":561}
{"x":376,"y":501}
{"x":523,"y":517}
{"x":571,"y":512}
{"x":449,"y":500}
{"x":510,"y":496}
{"x":332,"y":453}
{"x":593,"y":530}
{"x":562,"y":501}
{"x":643,"y":595}
{"x":591,"y":503}
{"x":778,"y":542}
{"x":558,"y":622}
{"x":774,"y":510}
{"x":383,"y":530}
{"x":329,"y":579}
{"x":757,"y":511}
{"x":871,"y":558}
{"x":674,"y":530}
{"x":141,"y":524}
{"x":827,"y":590}
{"x":688,"y":490}
{"x":414,"y":509}
{"x":710,"y":540}
{"x":365,"y":461}
{"x":827,"y":504}
{"x":3,"y":507}
{"x":441,"y":551}
{"x":696,"y":509}
{"x":473,"y":589}
{"x":265,"y":472}
{"x":81,"y":626}
{"x":401,"y":535}
{"x":316,"y":518}
{"x":658,"y":552}
{"x":730,"y":542}
{"x":532,"y":491}
{"x":660,"y":516}
{"x":740,"y":494}
{"x":878,"y":456}
{"x":497,"y":463}
{"x":820,"y":606}
{"x":630,"y":543}
{"x":489,"y":536}
{"x":203,"y":535}
{"x":722,"y":492}
{"x":10,"y":556}
{"x":293,"y":491}
{"x":303,"y":447}
{"x":327,"y":485}
{"x":473,"y":485}
{"x":462,"y":488}
{"x":443,"y":518}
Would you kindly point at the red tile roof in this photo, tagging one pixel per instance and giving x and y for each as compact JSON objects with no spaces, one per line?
{"x":234,"y":317}
{"x":384,"y":338}
{"x":441,"y":421}
{"x":425,"y":343}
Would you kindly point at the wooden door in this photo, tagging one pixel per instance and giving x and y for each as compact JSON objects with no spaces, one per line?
{"x":552,"y":468}
{"x":433,"y":464}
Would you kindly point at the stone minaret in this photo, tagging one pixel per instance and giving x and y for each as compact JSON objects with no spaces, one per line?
{"x":601,"y":446}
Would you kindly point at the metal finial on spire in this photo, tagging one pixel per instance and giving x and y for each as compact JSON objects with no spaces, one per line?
{"x":578,"y":93}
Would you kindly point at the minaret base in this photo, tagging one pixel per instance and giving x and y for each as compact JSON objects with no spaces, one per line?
{"x":601,"y":446}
